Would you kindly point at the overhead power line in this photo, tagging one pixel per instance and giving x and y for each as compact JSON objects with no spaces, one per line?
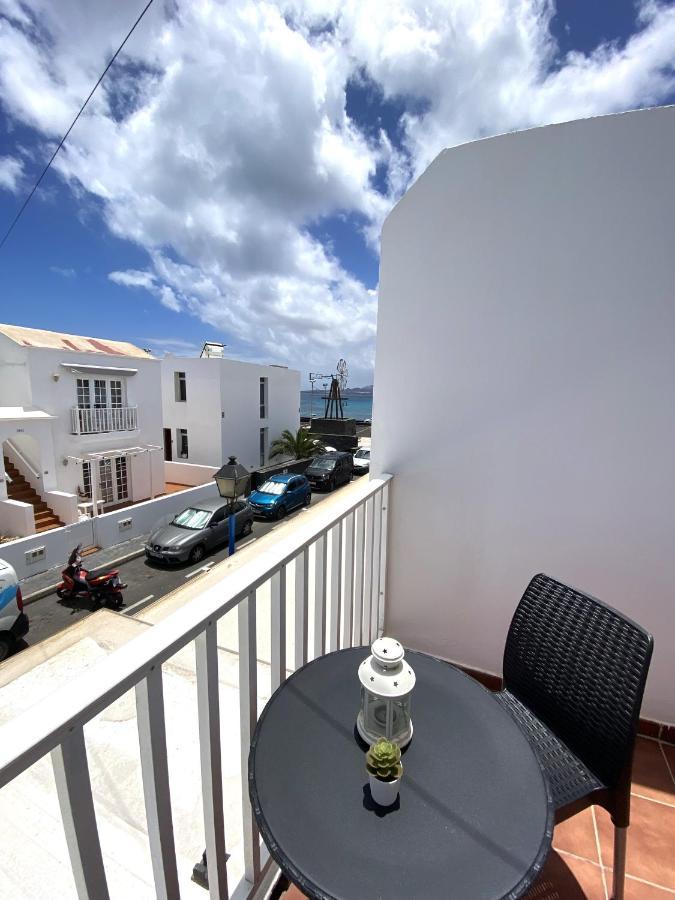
{"x":72,"y":124}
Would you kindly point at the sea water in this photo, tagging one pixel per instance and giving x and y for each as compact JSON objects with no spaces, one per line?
{"x":355,"y":406}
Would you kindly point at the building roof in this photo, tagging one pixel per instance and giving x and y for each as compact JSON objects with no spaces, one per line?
{"x":56,"y":340}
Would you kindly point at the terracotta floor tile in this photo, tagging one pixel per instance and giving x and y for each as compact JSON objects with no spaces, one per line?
{"x":567,"y":878}
{"x":293,"y":893}
{"x":577,"y":835}
{"x":637,"y":890}
{"x":669,"y":750}
{"x":651,"y":841}
{"x":651,"y":777}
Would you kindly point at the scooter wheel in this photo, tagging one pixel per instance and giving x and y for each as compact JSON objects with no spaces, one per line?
{"x":61,"y":593}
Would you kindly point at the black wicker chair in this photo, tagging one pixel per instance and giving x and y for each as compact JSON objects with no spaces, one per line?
{"x":574,"y":675}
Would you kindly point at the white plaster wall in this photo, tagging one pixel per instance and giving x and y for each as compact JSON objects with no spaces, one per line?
{"x":57,"y":544}
{"x":16,"y":520}
{"x":14,"y":374}
{"x":64,"y":505}
{"x":222,"y":410}
{"x":57,"y":397}
{"x":524,"y":384}
{"x":241,"y":398}
{"x":200,"y":413}
{"x":33,"y":438}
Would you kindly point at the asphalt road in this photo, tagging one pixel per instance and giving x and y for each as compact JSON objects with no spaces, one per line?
{"x":147,"y":581}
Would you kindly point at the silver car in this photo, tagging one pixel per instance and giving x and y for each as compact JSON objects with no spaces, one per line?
{"x":198,"y":529}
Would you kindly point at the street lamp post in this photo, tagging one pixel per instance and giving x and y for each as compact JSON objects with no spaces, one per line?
{"x":232,"y":480}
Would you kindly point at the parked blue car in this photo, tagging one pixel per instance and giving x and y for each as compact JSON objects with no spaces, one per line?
{"x":279,"y":495}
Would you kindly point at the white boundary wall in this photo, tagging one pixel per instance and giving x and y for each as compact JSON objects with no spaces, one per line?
{"x":113,"y":528}
{"x":524,"y":385}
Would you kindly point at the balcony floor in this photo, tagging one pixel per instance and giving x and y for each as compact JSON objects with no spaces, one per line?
{"x":580,"y":865}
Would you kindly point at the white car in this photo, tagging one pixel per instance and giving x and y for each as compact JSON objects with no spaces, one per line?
{"x":362,"y":461}
{"x":13,"y":620}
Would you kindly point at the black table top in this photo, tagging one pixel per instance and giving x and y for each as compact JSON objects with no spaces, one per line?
{"x":474,"y":818}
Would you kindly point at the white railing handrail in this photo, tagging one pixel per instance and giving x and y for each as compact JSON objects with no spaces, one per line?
{"x":38,"y":730}
{"x":22,"y":456}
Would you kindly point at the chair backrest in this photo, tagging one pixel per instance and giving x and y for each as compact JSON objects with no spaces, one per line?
{"x":581,"y":667}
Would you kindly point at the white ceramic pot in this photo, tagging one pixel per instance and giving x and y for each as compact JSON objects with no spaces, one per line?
{"x":384,"y":793}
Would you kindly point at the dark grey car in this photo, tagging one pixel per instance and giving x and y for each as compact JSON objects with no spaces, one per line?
{"x":198,"y":529}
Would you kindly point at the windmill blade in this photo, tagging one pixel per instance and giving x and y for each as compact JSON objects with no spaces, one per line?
{"x":342,"y":372}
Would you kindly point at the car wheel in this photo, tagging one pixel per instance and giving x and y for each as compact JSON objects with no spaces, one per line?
{"x":331,"y":484}
{"x":308,"y":499}
{"x":281,"y":512}
{"x":6,"y":646}
{"x":247,"y":529}
{"x":197,"y":554}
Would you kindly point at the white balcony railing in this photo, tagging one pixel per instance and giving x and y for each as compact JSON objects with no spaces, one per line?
{"x":96,"y":421}
{"x":345,"y":540}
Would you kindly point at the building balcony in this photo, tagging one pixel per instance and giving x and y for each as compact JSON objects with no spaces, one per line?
{"x":132,"y":732}
{"x":100,"y":421}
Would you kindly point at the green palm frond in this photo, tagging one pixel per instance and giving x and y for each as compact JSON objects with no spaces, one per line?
{"x":299,"y":445}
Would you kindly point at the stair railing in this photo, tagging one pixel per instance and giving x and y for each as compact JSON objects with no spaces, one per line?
{"x":27,"y":463}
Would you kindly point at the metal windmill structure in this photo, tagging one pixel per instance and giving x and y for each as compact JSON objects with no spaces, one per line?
{"x":338,"y":381}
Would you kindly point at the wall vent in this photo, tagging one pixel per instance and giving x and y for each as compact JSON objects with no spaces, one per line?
{"x":123,"y":524}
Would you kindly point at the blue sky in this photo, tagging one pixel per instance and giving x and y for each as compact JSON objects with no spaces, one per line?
{"x":230,"y":181}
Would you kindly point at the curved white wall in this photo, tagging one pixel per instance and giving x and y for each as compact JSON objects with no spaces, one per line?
{"x":524,"y":384}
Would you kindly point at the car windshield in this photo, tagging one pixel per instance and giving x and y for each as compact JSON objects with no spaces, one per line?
{"x":273,"y":487}
{"x":326,"y":464}
{"x":193,"y":518}
{"x":362,"y":454}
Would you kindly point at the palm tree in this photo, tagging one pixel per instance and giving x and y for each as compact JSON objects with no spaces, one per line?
{"x":299,"y":446}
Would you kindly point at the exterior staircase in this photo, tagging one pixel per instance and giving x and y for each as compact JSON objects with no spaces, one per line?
{"x":20,"y":489}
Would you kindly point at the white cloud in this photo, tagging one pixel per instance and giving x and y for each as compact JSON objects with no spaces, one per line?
{"x":224,"y":136}
{"x":64,"y":272}
{"x":10,"y":172}
{"x":133,"y":278}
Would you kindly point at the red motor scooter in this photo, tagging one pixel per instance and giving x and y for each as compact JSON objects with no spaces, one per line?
{"x":78,"y":584}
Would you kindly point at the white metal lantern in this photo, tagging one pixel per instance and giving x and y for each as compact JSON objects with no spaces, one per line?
{"x":387,"y":681}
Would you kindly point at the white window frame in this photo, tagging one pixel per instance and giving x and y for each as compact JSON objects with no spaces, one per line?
{"x":264,"y":449}
{"x":96,"y":392}
{"x":180,"y":386}
{"x":182,"y":434}
{"x":263,"y":398}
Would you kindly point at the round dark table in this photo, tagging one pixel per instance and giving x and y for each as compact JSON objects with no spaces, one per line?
{"x":474,"y":818}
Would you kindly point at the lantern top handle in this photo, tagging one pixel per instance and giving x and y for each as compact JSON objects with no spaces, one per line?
{"x":387,"y":651}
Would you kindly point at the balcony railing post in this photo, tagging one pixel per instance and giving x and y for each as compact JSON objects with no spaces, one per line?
{"x":382,"y":595}
{"x":348,"y":594}
{"x":320,"y":566}
{"x":248,"y":716}
{"x":208,"y":708}
{"x":366,"y":634}
{"x":73,"y":787}
{"x":278,"y":627}
{"x":359,"y":540}
{"x":301,"y":606}
{"x":335,"y":585}
{"x":155,"y":769}
{"x":377,"y":551}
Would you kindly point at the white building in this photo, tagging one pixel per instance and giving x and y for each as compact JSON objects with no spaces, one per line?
{"x":215,"y":407}
{"x":73,"y":409}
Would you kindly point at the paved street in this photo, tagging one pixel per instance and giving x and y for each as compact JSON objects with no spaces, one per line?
{"x":146,"y":582}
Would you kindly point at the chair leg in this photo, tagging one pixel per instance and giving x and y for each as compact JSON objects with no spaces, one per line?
{"x":620,"y":835}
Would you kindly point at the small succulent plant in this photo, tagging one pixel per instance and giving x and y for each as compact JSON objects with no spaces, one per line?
{"x":383,"y":760}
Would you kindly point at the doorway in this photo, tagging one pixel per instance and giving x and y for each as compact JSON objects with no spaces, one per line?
{"x":168,"y":455}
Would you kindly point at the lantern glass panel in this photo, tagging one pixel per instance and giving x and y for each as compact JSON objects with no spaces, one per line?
{"x":401,"y":719}
{"x":375,"y":714}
